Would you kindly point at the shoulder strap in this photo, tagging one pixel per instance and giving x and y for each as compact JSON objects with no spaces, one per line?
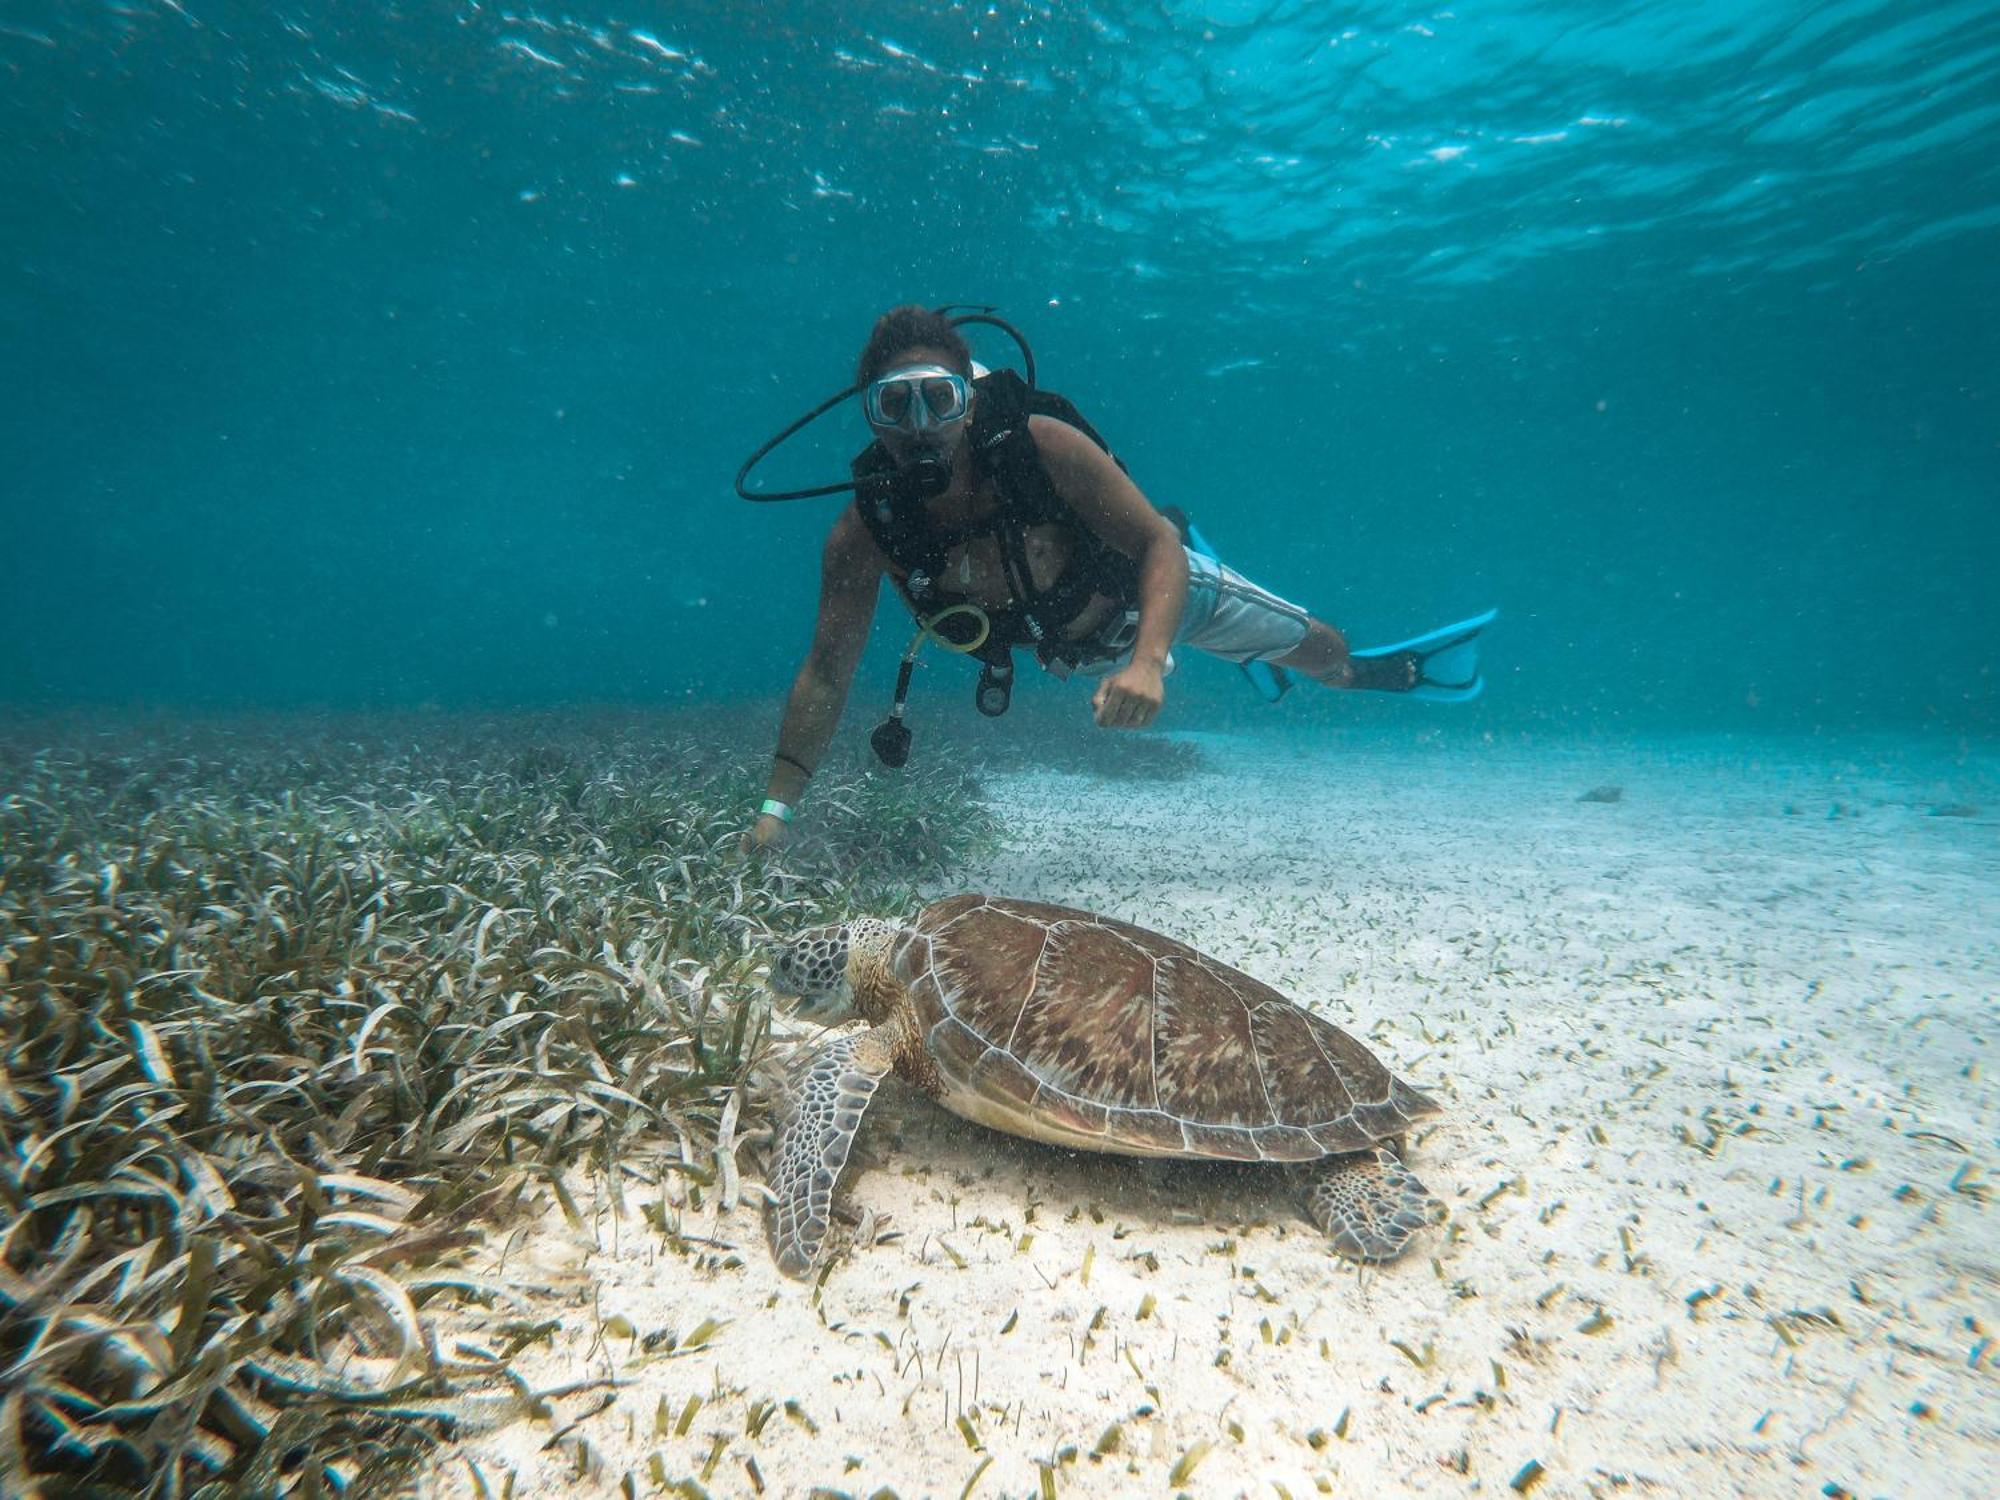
{"x":1005,"y":447}
{"x":1054,"y":404}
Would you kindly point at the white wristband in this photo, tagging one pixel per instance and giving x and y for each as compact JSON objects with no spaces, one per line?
{"x":773,"y":808}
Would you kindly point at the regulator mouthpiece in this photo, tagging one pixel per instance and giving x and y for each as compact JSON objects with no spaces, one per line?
{"x":927,"y":475}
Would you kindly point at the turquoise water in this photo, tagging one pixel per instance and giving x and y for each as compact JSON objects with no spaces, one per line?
{"x":375,"y":356}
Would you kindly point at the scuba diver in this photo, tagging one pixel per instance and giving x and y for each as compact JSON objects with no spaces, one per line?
{"x":1005,"y":522}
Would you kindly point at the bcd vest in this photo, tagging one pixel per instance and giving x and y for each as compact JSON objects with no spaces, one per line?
{"x":1002,"y":449}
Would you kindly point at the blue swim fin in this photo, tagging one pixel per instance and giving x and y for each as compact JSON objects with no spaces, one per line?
{"x":1446,"y":661}
{"x":1270,"y":682}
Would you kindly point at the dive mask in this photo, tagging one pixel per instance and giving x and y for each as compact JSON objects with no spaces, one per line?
{"x":916,"y":398}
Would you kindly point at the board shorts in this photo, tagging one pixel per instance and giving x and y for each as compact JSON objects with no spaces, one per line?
{"x":1227,"y":616}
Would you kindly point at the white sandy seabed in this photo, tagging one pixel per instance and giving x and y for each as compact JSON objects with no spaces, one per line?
{"x":1717,"y":1144}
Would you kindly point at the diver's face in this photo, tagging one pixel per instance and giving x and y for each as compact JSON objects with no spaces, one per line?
{"x":919,"y":406}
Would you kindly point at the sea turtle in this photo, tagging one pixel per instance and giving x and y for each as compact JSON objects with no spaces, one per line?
{"x":1081,"y":1031}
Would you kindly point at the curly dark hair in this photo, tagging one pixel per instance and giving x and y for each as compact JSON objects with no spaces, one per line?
{"x":911,"y":327}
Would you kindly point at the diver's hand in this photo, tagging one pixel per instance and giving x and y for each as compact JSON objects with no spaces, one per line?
{"x":1130,"y":697}
{"x":768,"y":832}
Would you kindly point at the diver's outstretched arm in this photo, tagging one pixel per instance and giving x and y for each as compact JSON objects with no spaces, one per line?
{"x":851,"y":568}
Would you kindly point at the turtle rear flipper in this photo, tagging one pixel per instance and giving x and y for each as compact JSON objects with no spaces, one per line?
{"x":815,"y":1139}
{"x":1369,"y":1204}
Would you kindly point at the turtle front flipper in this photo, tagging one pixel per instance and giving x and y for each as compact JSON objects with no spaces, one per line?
{"x":1369,"y":1204}
{"x":815,"y":1138}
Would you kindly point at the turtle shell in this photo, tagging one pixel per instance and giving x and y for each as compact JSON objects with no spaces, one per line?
{"x":1082,"y":1031}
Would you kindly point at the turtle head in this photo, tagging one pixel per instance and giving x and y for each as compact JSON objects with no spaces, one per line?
{"x":819,"y":966}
